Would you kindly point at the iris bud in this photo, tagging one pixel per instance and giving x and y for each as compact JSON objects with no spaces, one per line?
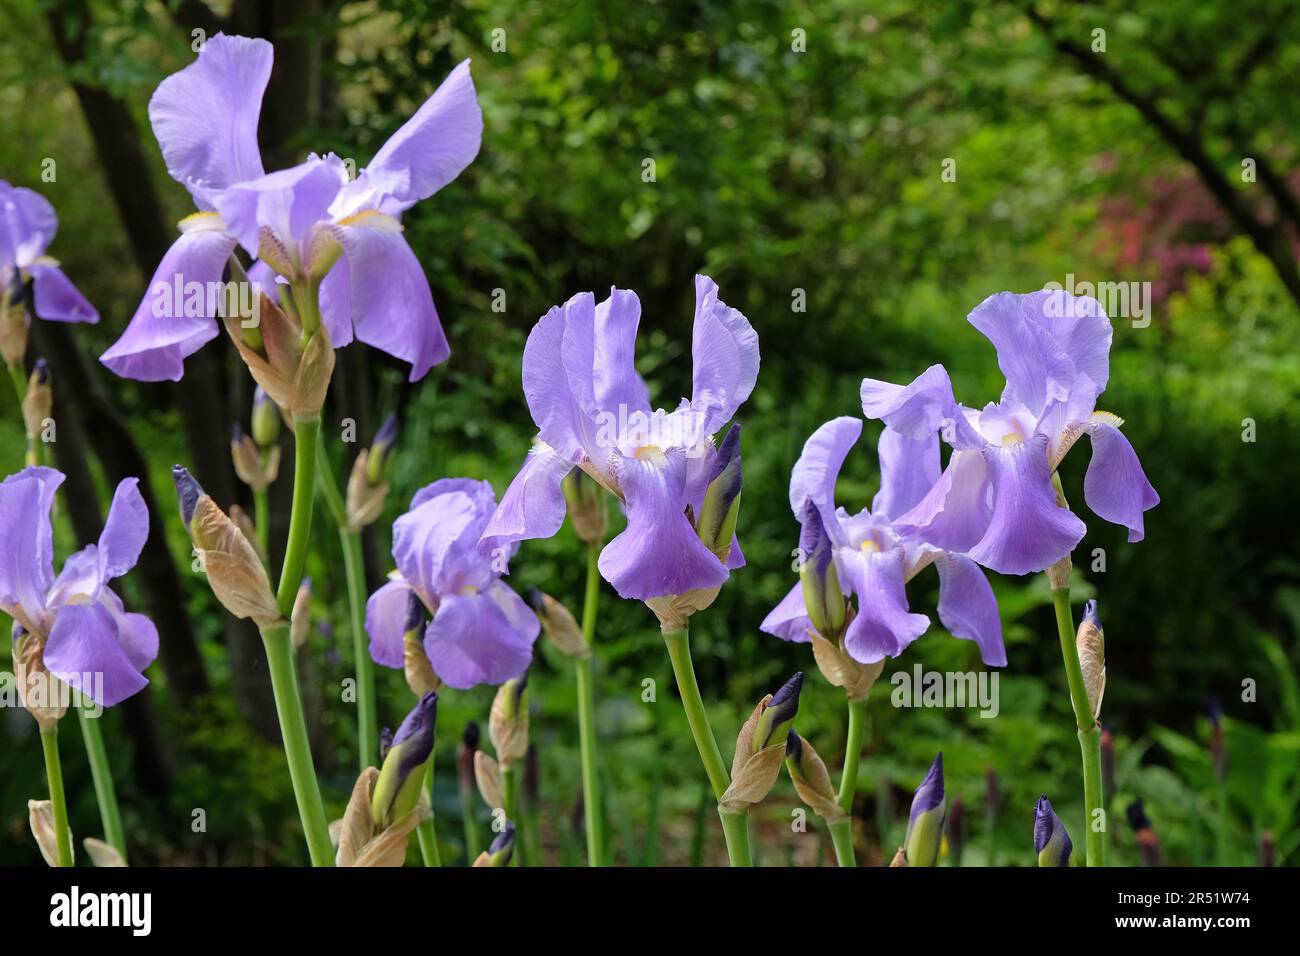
{"x":778,"y":716}
{"x":500,"y":850}
{"x":811,"y":779}
{"x":761,"y":747}
{"x":508,"y":721}
{"x":1091,"y":646}
{"x":1147,"y":841}
{"x":368,"y":483}
{"x":1051,"y":843}
{"x":587,"y":508}
{"x":822,"y":594}
{"x":420,"y":675}
{"x":925,"y":824}
{"x":720,"y":512}
{"x":397,"y":791}
{"x":266,"y":419}
{"x":381,"y":451}
{"x":559,"y":624}
{"x":38,"y":404}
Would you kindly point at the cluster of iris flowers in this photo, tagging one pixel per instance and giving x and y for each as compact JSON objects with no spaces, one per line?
{"x":324,"y":257}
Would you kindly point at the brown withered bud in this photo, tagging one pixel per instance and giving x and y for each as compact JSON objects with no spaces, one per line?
{"x":559,"y":625}
{"x":587,"y":507}
{"x":102,"y":854}
{"x":14,"y":327}
{"x":255,"y":468}
{"x":294,"y":370}
{"x":812,"y":781}
{"x":38,"y":689}
{"x":360,"y":842}
{"x":508,"y":721}
{"x":487,"y":774}
{"x":365,"y":500}
{"x":230,"y":561}
{"x":40,"y":817}
{"x":300,"y":616}
{"x":1091,"y":645}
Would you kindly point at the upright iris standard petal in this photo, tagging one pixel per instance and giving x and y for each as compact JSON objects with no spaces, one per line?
{"x":1115,"y":486}
{"x":390,"y":303}
{"x":387,"y":614}
{"x":84,"y":652}
{"x":921,"y":408}
{"x":909,"y":468}
{"x":659,"y":552}
{"x":814,"y":475}
{"x":616,"y":386}
{"x":125,"y":530}
{"x":1052,"y":844}
{"x":724,"y":349}
{"x":175,"y":318}
{"x":425,"y":539}
{"x":427,"y":152}
{"x":205,"y":116}
{"x":28,"y":225}
{"x":27,"y":558}
{"x":968,"y":608}
{"x":1028,"y":530}
{"x":883,"y":626}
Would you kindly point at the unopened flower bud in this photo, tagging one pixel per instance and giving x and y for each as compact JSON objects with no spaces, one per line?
{"x":300,"y":618}
{"x":1147,"y":841}
{"x":925,"y":824}
{"x":367,"y":483}
{"x":1091,"y":645}
{"x":761,"y":747}
{"x":487,"y":774}
{"x":420,"y":675}
{"x":294,"y":365}
{"x":266,"y":419}
{"x":559,"y":625}
{"x":1052,"y":844}
{"x":465,"y":756}
{"x":15,"y":322}
{"x":822,"y":595}
{"x":255,"y":467}
{"x":587,"y":507}
{"x":508,"y":721}
{"x":234,"y":570}
{"x":811,"y":779}
{"x":501,"y":849}
{"x":397,"y":791}
{"x":778,"y":716}
{"x":720,"y":511}
{"x":40,"y":817}
{"x":38,"y":404}
{"x":380,"y":459}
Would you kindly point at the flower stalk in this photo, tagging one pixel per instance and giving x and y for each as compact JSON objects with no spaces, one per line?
{"x":58,"y":802}
{"x":593,"y":803}
{"x":102,"y":775}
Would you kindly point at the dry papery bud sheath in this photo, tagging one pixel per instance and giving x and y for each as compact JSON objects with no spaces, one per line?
{"x":811,"y":779}
{"x":1058,"y":574}
{"x":761,"y":747}
{"x":40,"y":817}
{"x":1091,"y":646}
{"x":487,"y":774}
{"x":841,"y":670}
{"x":38,"y":404}
{"x":508,"y":721}
{"x":257,"y":468}
{"x":300,"y":617}
{"x":102,"y":854}
{"x":230,"y":561}
{"x":588,"y":510}
{"x":361,"y":842}
{"x":559,"y":625}
{"x":41,"y":693}
{"x":294,"y":370}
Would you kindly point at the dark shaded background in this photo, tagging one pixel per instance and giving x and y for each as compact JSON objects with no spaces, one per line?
{"x":798,"y":149}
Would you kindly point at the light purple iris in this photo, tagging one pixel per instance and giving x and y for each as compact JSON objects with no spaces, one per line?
{"x":92,"y":643}
{"x":593,"y":412}
{"x":205,"y":118}
{"x":996,"y":500}
{"x":27,"y":227}
{"x":873,"y":558}
{"x":482,"y":632}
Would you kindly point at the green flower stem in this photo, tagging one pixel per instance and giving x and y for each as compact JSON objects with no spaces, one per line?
{"x":306,"y":435}
{"x":473,"y":846}
{"x":109,"y":814}
{"x":58,"y":803}
{"x":354,"y":568}
{"x":842,"y":839}
{"x":262,"y":520}
{"x":593,"y":804}
{"x":735,"y":826}
{"x":427,"y":832}
{"x":1089,"y":732}
{"x":510,"y":784}
{"x":297,"y":750}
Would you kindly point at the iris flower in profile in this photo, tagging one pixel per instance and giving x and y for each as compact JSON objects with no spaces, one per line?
{"x":86,"y":630}
{"x":593,"y":412}
{"x":996,"y":500}
{"x":27,"y":227}
{"x":481,"y":632}
{"x":873,"y":559}
{"x":312,"y":225}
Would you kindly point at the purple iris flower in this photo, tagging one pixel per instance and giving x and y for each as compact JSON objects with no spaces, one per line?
{"x":482,"y":632}
{"x":593,"y":412}
{"x":27,"y":227}
{"x":296,"y":220}
{"x":874,"y":558}
{"x":995,"y":500}
{"x":91,"y":642}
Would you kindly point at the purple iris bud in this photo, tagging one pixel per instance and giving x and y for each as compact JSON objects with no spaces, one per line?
{"x":385,"y":742}
{"x":793,"y":746}
{"x":1090,"y":614}
{"x":377,"y":464}
{"x":1052,"y":844}
{"x":41,"y":372}
{"x":720,"y":512}
{"x":1147,"y":841}
{"x":471,"y":736}
{"x":92,"y":643}
{"x":481,"y":632}
{"x":874,"y":554}
{"x":925,"y":824}
{"x":822,"y":596}
{"x":593,"y":411}
{"x":236,"y":433}
{"x":777,"y":718}
{"x":502,"y":847}
{"x":312,"y":223}
{"x":996,"y":500}
{"x":188,"y":491}
{"x":28,"y":225}
{"x":397,"y":791}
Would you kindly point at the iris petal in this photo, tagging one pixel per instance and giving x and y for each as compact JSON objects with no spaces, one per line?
{"x":83,"y":651}
{"x":883,"y":626}
{"x":386,"y":616}
{"x":482,"y":638}
{"x":533,"y":506}
{"x":909,"y":467}
{"x":55,"y":297}
{"x":814,"y":474}
{"x":724,"y":350}
{"x":1115,"y":485}
{"x":968,"y":608}
{"x":789,"y":619}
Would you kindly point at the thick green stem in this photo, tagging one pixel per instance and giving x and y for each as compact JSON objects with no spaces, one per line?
{"x":58,"y":803}
{"x":427,"y":832}
{"x":510,"y":784}
{"x":853,"y":752}
{"x":1089,"y":732}
{"x":262,"y":520}
{"x":306,"y":436}
{"x":734,"y":825}
{"x":101,"y":773}
{"x":593,"y":805}
{"x":297,"y":750}
{"x":842,"y":839}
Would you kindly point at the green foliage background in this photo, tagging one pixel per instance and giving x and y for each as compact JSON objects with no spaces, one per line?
{"x":775,"y":171}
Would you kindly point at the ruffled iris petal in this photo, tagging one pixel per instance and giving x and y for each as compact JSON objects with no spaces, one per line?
{"x":909,"y":467}
{"x":83,"y":651}
{"x":814,"y":474}
{"x":533,"y":506}
{"x":955,"y":512}
{"x":724,"y":350}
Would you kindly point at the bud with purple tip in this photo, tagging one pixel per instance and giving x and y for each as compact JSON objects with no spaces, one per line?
{"x":1051,"y":843}
{"x":720,"y":512}
{"x":925,"y":824}
{"x":397,"y":791}
{"x":822,"y":595}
